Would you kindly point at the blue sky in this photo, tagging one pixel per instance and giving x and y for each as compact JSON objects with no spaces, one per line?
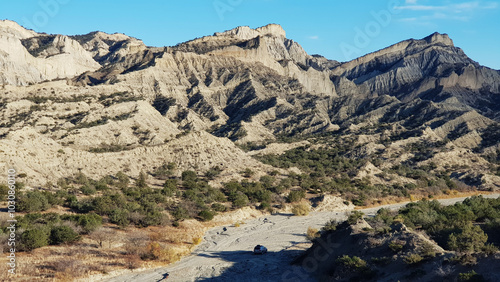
{"x":340,"y":30}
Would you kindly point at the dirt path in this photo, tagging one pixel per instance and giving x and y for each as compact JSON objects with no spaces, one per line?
{"x":227,"y":256}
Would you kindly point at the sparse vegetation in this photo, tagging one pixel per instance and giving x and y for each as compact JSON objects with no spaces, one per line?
{"x":413,"y":259}
{"x":312,"y":233}
{"x":301,"y":209}
{"x":353,"y":263}
{"x":396,"y":246}
{"x":354,"y":217}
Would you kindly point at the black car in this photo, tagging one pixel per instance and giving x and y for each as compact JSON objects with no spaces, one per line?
{"x":259,"y":250}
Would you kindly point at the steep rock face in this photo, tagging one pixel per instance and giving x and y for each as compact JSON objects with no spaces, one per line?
{"x":26,"y":58}
{"x":10,"y":28}
{"x":101,"y":44}
{"x":431,"y":69}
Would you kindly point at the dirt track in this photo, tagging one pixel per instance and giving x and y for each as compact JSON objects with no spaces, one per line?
{"x":227,"y":256}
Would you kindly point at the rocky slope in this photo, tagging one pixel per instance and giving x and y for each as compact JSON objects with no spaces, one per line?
{"x":79,"y":102}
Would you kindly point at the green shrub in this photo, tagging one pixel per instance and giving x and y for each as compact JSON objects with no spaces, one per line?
{"x":489,"y":249}
{"x":32,"y":202}
{"x":34,"y":238}
{"x":247,"y":173}
{"x":163,"y":172}
{"x":102,"y":185}
{"x":4,"y":189}
{"x":385,"y":215}
{"x":267,"y":181}
{"x":239,"y":200}
{"x":123,"y":180}
{"x":470,"y":276}
{"x":119,"y":217}
{"x":180,"y":213}
{"x":427,"y":250}
{"x":62,"y":183}
{"x":89,"y":222}
{"x":88,"y":189}
{"x":412,"y":259}
{"x":206,"y":215}
{"x":141,"y":180}
{"x":354,"y":217}
{"x":81,"y":178}
{"x":353,"y":263}
{"x":396,"y":246}
{"x":189,"y":175}
{"x":218,"y":207}
{"x":264,"y":206}
{"x":152,"y":218}
{"x":470,"y":239}
{"x":62,"y":235}
{"x":381,"y":260}
{"x":296,"y":196}
{"x":170,"y":187}
{"x":54,"y":198}
{"x":330,"y":225}
{"x":213,"y":172}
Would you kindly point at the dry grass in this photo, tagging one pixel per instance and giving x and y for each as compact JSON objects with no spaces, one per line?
{"x":301,"y":209}
{"x":116,"y":250}
{"x":312,"y":233}
{"x":66,"y":263}
{"x":420,"y":195}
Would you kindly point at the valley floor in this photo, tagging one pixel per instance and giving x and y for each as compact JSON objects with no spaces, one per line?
{"x":227,"y":256}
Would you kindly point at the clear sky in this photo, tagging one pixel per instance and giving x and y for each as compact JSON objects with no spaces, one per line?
{"x":339,"y":30}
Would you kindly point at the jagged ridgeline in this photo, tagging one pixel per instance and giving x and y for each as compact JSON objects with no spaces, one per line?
{"x":103,"y":103}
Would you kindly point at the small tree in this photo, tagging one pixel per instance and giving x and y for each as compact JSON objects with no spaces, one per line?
{"x":180,"y":213}
{"x":470,"y":276}
{"x":136,"y":243}
{"x":102,"y":235}
{"x":34,"y":238}
{"x":141,"y":180}
{"x":119,"y":217}
{"x":81,"y":178}
{"x":213,"y":172}
{"x":170,"y":187}
{"x":206,"y":215}
{"x":247,"y":173}
{"x":32,"y":202}
{"x":396,"y":245}
{"x":354,"y":217}
{"x":162,"y":172}
{"x":123,"y":180}
{"x":4,"y":190}
{"x":331,"y":225}
{"x":63,"y":234}
{"x":412,"y":259}
{"x":239,"y":200}
{"x":470,"y":239}
{"x":189,"y":175}
{"x":296,"y":195}
{"x":89,"y":222}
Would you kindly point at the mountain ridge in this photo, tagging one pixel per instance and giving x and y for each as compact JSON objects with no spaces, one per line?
{"x":248,"y":85}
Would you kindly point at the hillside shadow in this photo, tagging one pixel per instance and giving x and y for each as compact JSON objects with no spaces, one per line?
{"x":272,"y":266}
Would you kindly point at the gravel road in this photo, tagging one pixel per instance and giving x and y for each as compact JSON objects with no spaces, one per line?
{"x":227,"y":255}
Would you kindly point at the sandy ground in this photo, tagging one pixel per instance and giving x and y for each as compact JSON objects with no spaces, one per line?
{"x":227,"y":256}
